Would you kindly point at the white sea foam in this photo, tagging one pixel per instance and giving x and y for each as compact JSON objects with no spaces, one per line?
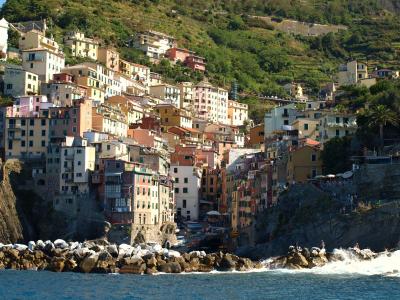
{"x":385,"y":264}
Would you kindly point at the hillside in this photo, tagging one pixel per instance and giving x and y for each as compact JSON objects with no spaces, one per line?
{"x":259,"y":57}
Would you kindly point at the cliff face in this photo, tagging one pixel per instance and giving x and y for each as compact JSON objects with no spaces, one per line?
{"x":10,"y":225}
{"x":306,"y":215}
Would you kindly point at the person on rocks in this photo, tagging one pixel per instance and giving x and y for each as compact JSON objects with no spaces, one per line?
{"x":322,"y":244}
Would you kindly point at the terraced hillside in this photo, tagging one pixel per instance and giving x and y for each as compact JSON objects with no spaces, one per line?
{"x":260,"y":58}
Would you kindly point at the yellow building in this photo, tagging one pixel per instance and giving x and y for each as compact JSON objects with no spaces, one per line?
{"x":133,"y":110}
{"x":171,"y":116}
{"x":81,"y":46}
{"x":87,"y":77}
{"x":26,"y":138}
{"x":109,"y":57}
{"x":238,"y":113}
{"x":187,"y":94}
{"x":109,"y":119}
{"x":307,"y":128}
{"x":35,"y":39}
{"x":304,"y":163}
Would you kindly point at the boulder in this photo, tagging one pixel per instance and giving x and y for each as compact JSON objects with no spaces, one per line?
{"x":133,"y":269}
{"x":40,"y":245}
{"x":70,"y":265}
{"x":13,"y":254}
{"x":227,"y":263}
{"x":20,"y":247}
{"x":170,"y":267}
{"x":298,"y":259}
{"x":88,"y":263}
{"x":172,"y":253}
{"x":31,"y":245}
{"x":61,"y":244}
{"x":74,"y":245}
{"x":113,"y":250}
{"x":151,"y":262}
{"x":204,"y":268}
{"x":56,"y":264}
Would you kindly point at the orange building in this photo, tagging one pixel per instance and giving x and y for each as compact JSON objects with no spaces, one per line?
{"x":257,"y":136}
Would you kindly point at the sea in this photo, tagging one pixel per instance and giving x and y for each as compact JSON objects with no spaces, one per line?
{"x":347,"y":279}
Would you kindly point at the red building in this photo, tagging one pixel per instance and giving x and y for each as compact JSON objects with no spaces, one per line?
{"x":189,"y":58}
{"x":196,"y":63}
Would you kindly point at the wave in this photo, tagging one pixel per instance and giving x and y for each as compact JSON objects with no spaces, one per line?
{"x":347,"y":262}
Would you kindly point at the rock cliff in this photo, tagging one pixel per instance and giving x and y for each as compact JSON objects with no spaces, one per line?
{"x":307,"y":215}
{"x":10,"y":225}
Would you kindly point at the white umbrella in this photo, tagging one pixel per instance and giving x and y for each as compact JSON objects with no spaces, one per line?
{"x":213,"y":213}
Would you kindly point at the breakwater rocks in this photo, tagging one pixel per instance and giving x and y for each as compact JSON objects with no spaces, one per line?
{"x":304,"y":258}
{"x":101,"y":257}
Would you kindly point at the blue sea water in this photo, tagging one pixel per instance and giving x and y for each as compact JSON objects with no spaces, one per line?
{"x":264,"y":285}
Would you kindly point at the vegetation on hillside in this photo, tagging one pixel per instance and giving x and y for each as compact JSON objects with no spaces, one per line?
{"x":237,"y":48}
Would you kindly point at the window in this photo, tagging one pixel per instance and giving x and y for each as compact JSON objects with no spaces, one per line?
{"x":30,"y":143}
{"x":176,"y":180}
{"x":43,"y":132}
{"x":337,"y":120}
{"x":305,"y":126}
{"x":30,"y":132}
{"x":176,"y":190}
{"x":9,"y":86}
{"x":184,"y":203}
{"x":23,"y":133}
{"x":337,"y":132}
{"x":22,"y":143}
{"x":78,"y":174}
{"x":211,"y":190}
{"x":43,"y":143}
{"x":185,"y":190}
{"x":185,"y":180}
{"x":175,"y":170}
{"x":23,"y":122}
{"x":31,"y":122}
{"x":286,"y":122}
{"x":313,"y":157}
{"x":43,"y":122}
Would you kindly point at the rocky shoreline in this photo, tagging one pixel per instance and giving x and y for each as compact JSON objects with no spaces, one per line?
{"x":101,"y":257}
{"x":299,"y":258}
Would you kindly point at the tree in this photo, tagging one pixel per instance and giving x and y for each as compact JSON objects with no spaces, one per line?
{"x":381,"y":116}
{"x":336,"y":155}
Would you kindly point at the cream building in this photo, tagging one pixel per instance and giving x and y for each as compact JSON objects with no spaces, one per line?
{"x":168,"y":93}
{"x":307,"y":128}
{"x":18,"y":82}
{"x":211,"y":102}
{"x":35,"y":39}
{"x":43,"y":62}
{"x":334,"y":124}
{"x":187,"y":95}
{"x":80,"y":45}
{"x":109,"y":119}
{"x":354,"y":73}
{"x":77,"y":161}
{"x":237,"y":113}
{"x":154,"y":44}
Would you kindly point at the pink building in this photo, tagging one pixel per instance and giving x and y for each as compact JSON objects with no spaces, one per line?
{"x":29,"y":106}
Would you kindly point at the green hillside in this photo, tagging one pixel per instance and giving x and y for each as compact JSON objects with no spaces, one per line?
{"x":236,"y":47}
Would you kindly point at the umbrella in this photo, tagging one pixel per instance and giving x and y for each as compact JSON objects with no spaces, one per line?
{"x":213,"y":213}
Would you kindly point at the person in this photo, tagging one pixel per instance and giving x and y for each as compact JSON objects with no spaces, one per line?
{"x":356,"y":246}
{"x":322,"y":244}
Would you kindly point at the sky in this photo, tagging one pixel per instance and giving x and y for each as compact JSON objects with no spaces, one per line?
{"x":1,"y":2}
